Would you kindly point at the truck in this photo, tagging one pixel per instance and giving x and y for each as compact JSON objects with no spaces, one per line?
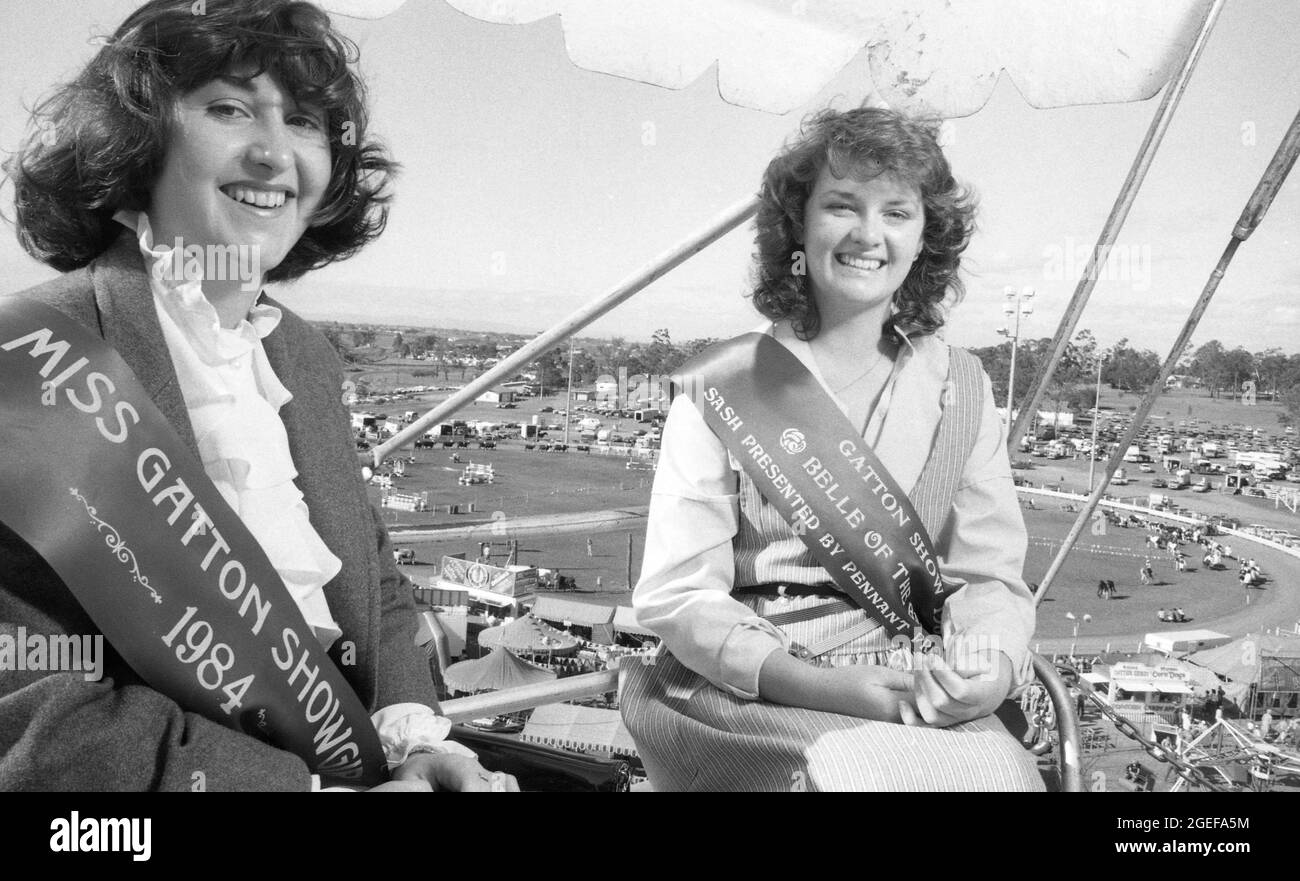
{"x":1260,"y":461}
{"x":1181,"y":480}
{"x":1211,"y":450}
{"x":1133,"y":454}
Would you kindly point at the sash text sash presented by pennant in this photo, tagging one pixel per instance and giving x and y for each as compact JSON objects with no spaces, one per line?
{"x":97,"y":481}
{"x":808,"y":461}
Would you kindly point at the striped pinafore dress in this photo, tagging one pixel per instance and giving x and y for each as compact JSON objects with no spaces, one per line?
{"x":693,"y":736}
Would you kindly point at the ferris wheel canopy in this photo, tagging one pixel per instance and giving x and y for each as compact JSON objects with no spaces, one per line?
{"x":935,"y":56}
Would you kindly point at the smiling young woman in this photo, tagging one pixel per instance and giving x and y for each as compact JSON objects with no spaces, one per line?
{"x":191,"y":135}
{"x":246,"y":165}
{"x":796,"y":659}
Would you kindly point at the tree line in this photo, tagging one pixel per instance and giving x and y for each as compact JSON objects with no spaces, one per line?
{"x":1269,"y":375}
{"x":1222,"y":372}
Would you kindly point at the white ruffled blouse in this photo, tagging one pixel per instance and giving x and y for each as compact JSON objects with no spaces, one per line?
{"x":234,"y":398}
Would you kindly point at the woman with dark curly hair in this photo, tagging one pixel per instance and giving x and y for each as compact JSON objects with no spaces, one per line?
{"x":206,"y":149}
{"x":840,"y":599}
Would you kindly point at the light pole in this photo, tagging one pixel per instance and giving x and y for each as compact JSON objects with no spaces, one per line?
{"x":1017,"y":304}
{"x":568,"y":397}
{"x":1096,"y":417}
{"x":1074,"y":639}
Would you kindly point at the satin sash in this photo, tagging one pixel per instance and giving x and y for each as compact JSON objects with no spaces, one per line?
{"x":97,"y":481}
{"x":809,"y":462}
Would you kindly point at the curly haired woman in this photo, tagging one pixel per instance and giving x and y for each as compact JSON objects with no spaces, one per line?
{"x":199,"y":155}
{"x":773,"y":676}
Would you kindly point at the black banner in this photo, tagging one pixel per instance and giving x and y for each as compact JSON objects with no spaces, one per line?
{"x":96,"y":480}
{"x":809,"y":462}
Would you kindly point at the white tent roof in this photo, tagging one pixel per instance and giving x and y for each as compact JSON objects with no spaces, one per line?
{"x":1172,"y":641}
{"x":625,"y":621}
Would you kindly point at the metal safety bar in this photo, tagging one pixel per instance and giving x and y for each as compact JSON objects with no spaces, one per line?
{"x":576,"y":321}
{"x":525,"y":697}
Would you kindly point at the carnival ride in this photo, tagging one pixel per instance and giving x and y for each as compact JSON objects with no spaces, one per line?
{"x":773,"y":56}
{"x":1225,"y":745}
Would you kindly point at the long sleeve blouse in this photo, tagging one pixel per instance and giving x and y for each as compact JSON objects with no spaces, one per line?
{"x":689,"y":569}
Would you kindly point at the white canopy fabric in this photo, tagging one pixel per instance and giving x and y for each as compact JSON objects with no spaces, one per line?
{"x":362,"y":8}
{"x":569,"y":726}
{"x":497,"y":671}
{"x":575,"y":611}
{"x":530,"y":636}
{"x":1175,"y":641}
{"x":625,"y":622}
{"x":932,"y":55}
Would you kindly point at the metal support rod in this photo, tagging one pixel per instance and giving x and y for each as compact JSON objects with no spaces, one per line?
{"x":630,"y":583}
{"x":525,"y":697}
{"x":1114,"y":223}
{"x":1096,"y":417}
{"x":1011,"y":380}
{"x":576,"y":321}
{"x":568,"y":396}
{"x":1268,"y":186}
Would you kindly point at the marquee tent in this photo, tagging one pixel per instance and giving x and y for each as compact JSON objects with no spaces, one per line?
{"x":498,"y":670}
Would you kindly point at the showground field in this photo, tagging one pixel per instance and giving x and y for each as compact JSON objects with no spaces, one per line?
{"x":532,"y":486}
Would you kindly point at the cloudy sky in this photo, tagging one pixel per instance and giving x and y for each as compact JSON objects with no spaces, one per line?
{"x":531,"y":186}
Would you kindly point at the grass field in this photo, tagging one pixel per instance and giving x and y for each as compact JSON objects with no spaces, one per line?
{"x":527,"y":483}
{"x":1202,"y":593}
{"x":530,"y":483}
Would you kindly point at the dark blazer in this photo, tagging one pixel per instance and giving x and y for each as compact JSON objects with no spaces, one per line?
{"x":59,"y":732}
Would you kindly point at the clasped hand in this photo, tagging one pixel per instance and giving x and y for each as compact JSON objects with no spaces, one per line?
{"x":934,"y":695}
{"x":942,"y":696}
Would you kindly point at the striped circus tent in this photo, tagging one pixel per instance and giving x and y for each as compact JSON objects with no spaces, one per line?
{"x":498,"y":670}
{"x":529,"y":636}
